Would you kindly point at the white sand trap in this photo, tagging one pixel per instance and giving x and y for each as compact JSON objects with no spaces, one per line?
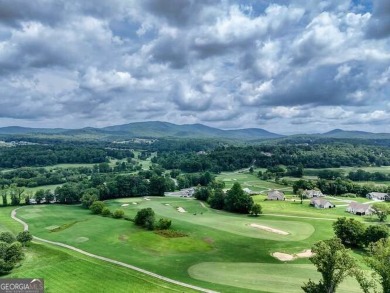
{"x":125,"y":205}
{"x":167,"y":204}
{"x":145,"y":198}
{"x":289,"y":257}
{"x":135,"y":202}
{"x":305,"y":253}
{"x":52,"y":227}
{"x":269,"y":229}
{"x":81,"y":239}
{"x":283,"y":256}
{"x":181,"y":210}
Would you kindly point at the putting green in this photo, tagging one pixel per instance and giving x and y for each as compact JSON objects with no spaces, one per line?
{"x":276,"y":278}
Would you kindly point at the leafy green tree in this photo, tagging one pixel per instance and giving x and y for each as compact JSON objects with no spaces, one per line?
{"x":88,"y":197}
{"x":145,"y":218}
{"x":39,"y":195}
{"x":157,"y":185}
{"x":256,"y":210}
{"x":350,"y":231}
{"x":375,"y":232}
{"x":97,"y":207}
{"x":379,"y":261}
{"x":4,"y":195}
{"x":7,"y":237}
{"x":202,"y":193}
{"x":334,"y":263}
{"x":118,"y":214}
{"x":106,"y":212}
{"x":381,"y":210}
{"x":217,"y":199}
{"x":49,"y":196}
{"x":24,"y":238}
{"x":5,"y":267}
{"x":237,"y":200}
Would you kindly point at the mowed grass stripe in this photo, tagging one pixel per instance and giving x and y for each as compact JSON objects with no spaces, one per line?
{"x":267,"y":277}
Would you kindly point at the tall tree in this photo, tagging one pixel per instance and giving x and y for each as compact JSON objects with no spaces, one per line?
{"x":237,"y":200}
{"x":334,"y":263}
{"x":379,"y":261}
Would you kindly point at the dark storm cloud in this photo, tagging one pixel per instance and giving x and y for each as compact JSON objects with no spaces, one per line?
{"x":379,"y":25}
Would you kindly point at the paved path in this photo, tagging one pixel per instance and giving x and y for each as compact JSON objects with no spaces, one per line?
{"x":25,"y":227}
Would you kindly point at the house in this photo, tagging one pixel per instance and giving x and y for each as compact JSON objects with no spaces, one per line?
{"x":321,"y":203}
{"x":387,"y":197}
{"x":312,"y":193}
{"x":275,"y":195}
{"x":359,"y":209}
{"x":376,"y":195}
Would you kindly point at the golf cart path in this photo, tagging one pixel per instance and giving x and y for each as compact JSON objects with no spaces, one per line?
{"x":25,"y":228}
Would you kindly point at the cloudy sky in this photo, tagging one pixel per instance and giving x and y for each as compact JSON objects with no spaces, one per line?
{"x":285,"y":66}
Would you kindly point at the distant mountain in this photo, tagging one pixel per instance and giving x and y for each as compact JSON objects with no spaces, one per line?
{"x":27,"y":130}
{"x":155,"y":129}
{"x":339,"y":133}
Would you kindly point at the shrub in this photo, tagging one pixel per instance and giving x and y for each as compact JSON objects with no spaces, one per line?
{"x":7,"y":237}
{"x":118,"y":214}
{"x":106,"y":212}
{"x":24,"y":237}
{"x":145,"y":218}
{"x":97,"y":207}
{"x":164,"y":224}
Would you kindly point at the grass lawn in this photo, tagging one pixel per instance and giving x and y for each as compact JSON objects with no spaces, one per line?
{"x":383,"y":169}
{"x":67,"y":271}
{"x":250,"y":181}
{"x":213,"y":236}
{"x":268,"y":277}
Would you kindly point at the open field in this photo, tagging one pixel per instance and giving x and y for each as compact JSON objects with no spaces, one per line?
{"x":215,"y":237}
{"x":383,"y":169}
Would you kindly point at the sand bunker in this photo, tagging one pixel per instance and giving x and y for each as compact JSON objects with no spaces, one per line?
{"x":135,"y":202}
{"x":181,"y":210}
{"x":268,"y":229}
{"x":289,"y":257}
{"x":125,"y":205}
{"x":82,"y":239}
{"x":145,"y":198}
{"x":167,"y":204}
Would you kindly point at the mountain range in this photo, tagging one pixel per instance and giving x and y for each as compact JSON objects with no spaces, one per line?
{"x":157,"y":129}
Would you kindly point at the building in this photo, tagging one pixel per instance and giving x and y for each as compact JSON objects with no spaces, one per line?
{"x":321,"y":203}
{"x":387,"y":197}
{"x":312,"y":193}
{"x":275,"y":195}
{"x":359,"y":209}
{"x":376,"y":195}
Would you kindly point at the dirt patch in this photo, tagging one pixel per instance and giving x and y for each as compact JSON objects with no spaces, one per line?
{"x":123,"y":237}
{"x":269,"y":229}
{"x":171,"y":233}
{"x":209,"y":240}
{"x":181,"y":210}
{"x":289,"y":257}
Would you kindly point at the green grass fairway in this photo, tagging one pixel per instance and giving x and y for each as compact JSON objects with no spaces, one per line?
{"x":66,"y":271}
{"x":250,"y":181}
{"x":212,"y":236}
{"x":276,"y":278}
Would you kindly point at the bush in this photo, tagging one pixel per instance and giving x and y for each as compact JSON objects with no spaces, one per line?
{"x":118,"y":214}
{"x":106,"y":212}
{"x":145,"y":218}
{"x":24,"y":237}
{"x":97,"y":207}
{"x":256,"y":210}
{"x":375,"y":232}
{"x":7,"y":237}
{"x":164,"y":224}
{"x":350,"y":231}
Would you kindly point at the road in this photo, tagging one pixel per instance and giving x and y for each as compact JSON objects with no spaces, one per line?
{"x":157,"y":276}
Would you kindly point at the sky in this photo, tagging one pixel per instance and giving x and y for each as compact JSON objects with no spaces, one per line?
{"x":300,"y":66}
